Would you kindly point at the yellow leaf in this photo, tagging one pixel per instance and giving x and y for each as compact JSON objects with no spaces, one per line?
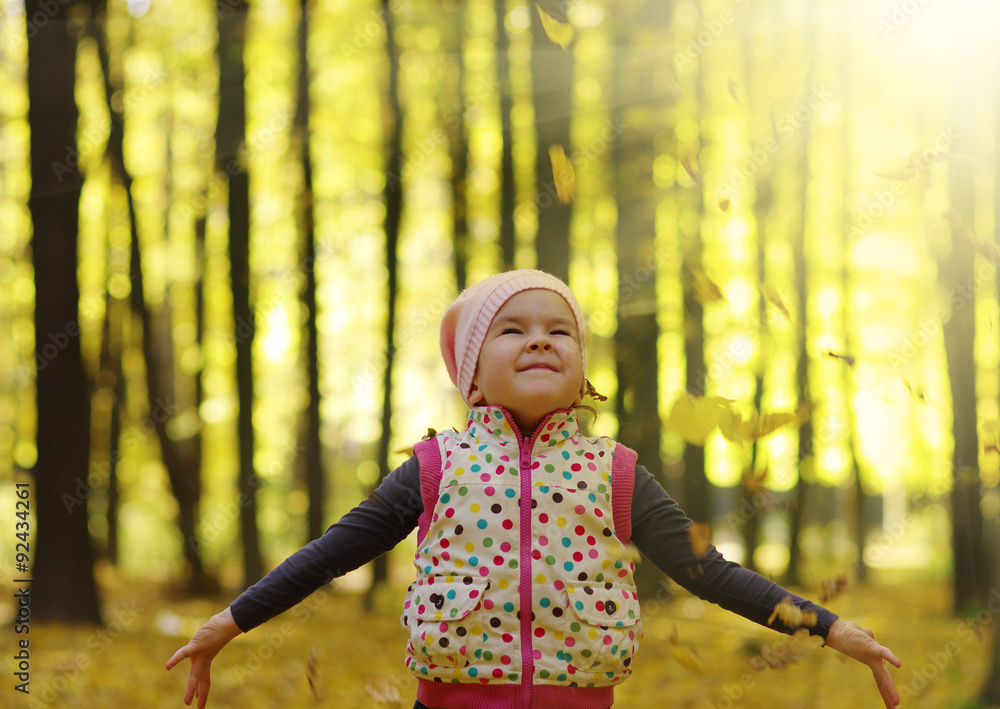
{"x":688,"y":658}
{"x":759,"y":426}
{"x":774,"y":298}
{"x":732,"y":427}
{"x":559,"y":32}
{"x":733,"y":90}
{"x":312,"y":673}
{"x":692,"y":173}
{"x":705,"y":290}
{"x":803,"y":413}
{"x":700,"y":535}
{"x":562,"y":173}
{"x":791,"y":615}
{"x":694,"y":417}
{"x":724,"y":203}
{"x":754,"y":482}
{"x":846,"y":357}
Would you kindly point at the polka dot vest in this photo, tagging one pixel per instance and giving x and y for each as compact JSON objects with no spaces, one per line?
{"x":523,"y":575}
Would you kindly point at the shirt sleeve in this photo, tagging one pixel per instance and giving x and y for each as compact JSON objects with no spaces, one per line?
{"x":369,"y":530}
{"x":660,"y":532}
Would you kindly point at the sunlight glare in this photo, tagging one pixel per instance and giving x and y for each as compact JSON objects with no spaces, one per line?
{"x":278,"y":337}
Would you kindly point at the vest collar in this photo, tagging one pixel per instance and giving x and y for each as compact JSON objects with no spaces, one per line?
{"x":496,"y":423}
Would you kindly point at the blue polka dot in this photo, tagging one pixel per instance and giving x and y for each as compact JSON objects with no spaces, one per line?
{"x":510,"y":492}
{"x":481,"y":524}
{"x":568,"y":566}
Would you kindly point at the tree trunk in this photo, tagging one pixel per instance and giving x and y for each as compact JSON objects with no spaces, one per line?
{"x":314,"y":473}
{"x":636,"y":363}
{"x":552,"y":89}
{"x":972,"y":572}
{"x":230,"y":159}
{"x":63,"y":589}
{"x":393,"y":211}
{"x":459,"y":149}
{"x":793,"y":574}
{"x":508,"y":191}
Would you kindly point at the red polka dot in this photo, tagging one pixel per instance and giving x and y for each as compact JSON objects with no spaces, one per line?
{"x":498,"y":673}
{"x":507,"y":638}
{"x":505,"y":547}
{"x":580,"y":530}
{"x":539,"y":632}
{"x":507,"y":524}
{"x":591,"y":541}
{"x":580,"y":509}
{"x":505,"y":659}
{"x":445,"y":543}
{"x":489,"y":490}
{"x":570,"y":641}
{"x":450,"y":512}
{"x":599,"y":605}
{"x":498,"y":560}
{"x":543,"y":518}
{"x":543,"y":540}
{"x":597,"y":511}
{"x":577,"y":556}
{"x":535,"y":554}
{"x":559,"y":585}
{"x":593,"y":553}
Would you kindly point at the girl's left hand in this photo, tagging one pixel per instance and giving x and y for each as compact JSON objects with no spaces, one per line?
{"x":859,"y":643}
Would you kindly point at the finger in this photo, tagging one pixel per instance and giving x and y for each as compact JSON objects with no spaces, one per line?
{"x":886,"y":686}
{"x":177,"y":657}
{"x":193,"y":679}
{"x":203,"y":691}
{"x":891,"y":657}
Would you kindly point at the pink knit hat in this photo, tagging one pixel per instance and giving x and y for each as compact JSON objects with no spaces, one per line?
{"x":466,"y":321}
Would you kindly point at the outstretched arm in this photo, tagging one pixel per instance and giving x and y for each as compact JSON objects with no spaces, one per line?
{"x":859,"y":644}
{"x":202,"y":649}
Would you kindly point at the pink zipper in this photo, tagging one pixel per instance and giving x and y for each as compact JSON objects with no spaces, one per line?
{"x":527,"y":646}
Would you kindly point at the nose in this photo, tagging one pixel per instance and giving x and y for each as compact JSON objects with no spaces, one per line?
{"x":540,"y":342}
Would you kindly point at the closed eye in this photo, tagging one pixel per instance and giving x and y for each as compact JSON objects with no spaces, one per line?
{"x":562,"y":332}
{"x":510,"y":331}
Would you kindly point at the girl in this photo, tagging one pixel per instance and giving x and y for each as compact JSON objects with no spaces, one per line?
{"x":524,"y":594}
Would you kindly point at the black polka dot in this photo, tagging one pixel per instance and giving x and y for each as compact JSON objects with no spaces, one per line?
{"x":588,"y":590}
{"x":557,"y":497}
{"x":495,"y":622}
{"x":443,"y":642}
{"x":582,"y":485}
{"x":460,"y":631}
{"x":582,"y":577}
{"x":459,"y":529}
{"x":496,"y":509}
{"x":607,"y":532}
{"x":557,"y":612}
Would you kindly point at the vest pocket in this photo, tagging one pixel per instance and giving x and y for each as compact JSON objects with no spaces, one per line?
{"x":607,"y":628}
{"x":443,"y":617}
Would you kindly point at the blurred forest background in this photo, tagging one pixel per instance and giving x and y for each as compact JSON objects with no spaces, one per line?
{"x":228,"y":232}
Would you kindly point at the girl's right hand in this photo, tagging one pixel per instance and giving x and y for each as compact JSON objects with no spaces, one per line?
{"x":202,"y":649}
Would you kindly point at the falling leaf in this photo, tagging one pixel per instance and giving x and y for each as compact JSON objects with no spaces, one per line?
{"x":640,"y":307}
{"x":774,"y":298}
{"x":731,"y":427}
{"x":724,"y":204}
{"x":759,"y":426}
{"x":847,"y":358}
{"x":960,"y":224}
{"x":788,"y":650}
{"x":559,"y":32}
{"x":733,"y":90}
{"x":673,"y":635}
{"x":312,"y":673}
{"x":700,"y":536}
{"x":754,"y":482}
{"x":791,"y":615}
{"x":688,"y":658}
{"x":692,"y":173}
{"x":917,"y":394}
{"x":383,"y":692}
{"x":705,"y":289}
{"x":803,"y":413}
{"x":694,"y":417}
{"x":562,"y":173}
{"x":829,"y":588}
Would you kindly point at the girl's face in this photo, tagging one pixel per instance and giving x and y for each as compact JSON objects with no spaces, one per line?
{"x":531,"y":362}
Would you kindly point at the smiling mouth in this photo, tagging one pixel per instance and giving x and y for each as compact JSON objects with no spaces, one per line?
{"x":544,"y":367}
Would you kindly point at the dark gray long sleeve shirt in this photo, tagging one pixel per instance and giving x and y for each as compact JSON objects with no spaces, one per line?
{"x":390,"y":513}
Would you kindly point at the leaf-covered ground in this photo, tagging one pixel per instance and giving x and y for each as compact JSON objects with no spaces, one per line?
{"x":694,"y":655}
